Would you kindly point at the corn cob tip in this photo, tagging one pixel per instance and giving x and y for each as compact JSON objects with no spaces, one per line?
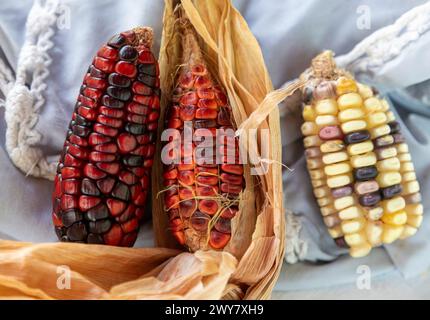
{"x":323,"y":65}
{"x":144,"y":36}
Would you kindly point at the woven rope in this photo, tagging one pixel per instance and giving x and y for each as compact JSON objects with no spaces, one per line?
{"x":23,"y":102}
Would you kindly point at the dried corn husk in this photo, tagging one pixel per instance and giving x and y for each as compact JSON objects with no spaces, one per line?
{"x":249,"y":266}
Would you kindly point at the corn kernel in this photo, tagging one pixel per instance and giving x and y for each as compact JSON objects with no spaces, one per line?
{"x":335,"y":157}
{"x":385,"y":105}
{"x":355,"y":239}
{"x":349,"y":100}
{"x":372,"y":104}
{"x":326,"y":106}
{"x":387,"y":179}
{"x":317,"y":174}
{"x":344,"y":202}
{"x":385,"y":153}
{"x":402,"y":148}
{"x":332,"y":221}
{"x":375,"y":213}
{"x":360,"y":148}
{"x":408,"y":231}
{"x":353,"y":212}
{"x":376,"y":119}
{"x":415,"y":221}
{"x":391,"y":233}
{"x":393,"y":205}
{"x":312,"y":141}
{"x":309,"y":113}
{"x":410,"y":187}
{"x":353,"y":226}
{"x":309,"y":128}
{"x":335,"y":232}
{"x":364,"y":91}
{"x":351,"y":114}
{"x":321,"y":192}
{"x":374,"y":231}
{"x":326,"y":120}
{"x":380,"y":131}
{"x":407,"y":167}
{"x":415,"y":209}
{"x":405,"y":157}
{"x":314,"y":163}
{"x":318,"y":183}
{"x":390,"y":116}
{"x":328,"y":210}
{"x":390,"y":164}
{"x":322,"y":202}
{"x":338,"y":168}
{"x":364,"y":160}
{"x":339,"y":181}
{"x":332,"y":146}
{"x":397,"y":218}
{"x":360,"y":250}
{"x":354,"y":125}
{"x":345,"y":85}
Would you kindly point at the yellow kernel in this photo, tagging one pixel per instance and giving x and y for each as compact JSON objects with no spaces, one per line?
{"x":344,"y":202}
{"x":326,"y":120}
{"x":339,"y":181}
{"x":332,"y":146}
{"x":353,"y":226}
{"x":312,"y":141}
{"x":309,"y":113}
{"x":387,"y":179}
{"x":407,"y":167}
{"x":391,"y":233}
{"x":322,"y":202}
{"x":415,"y":209}
{"x":402,"y":148}
{"x":314,"y":163}
{"x":338,"y":168}
{"x":309,"y":128}
{"x":375,"y":213}
{"x":335,"y":232}
{"x":380,"y":131}
{"x":405,"y":157}
{"x":390,"y":116}
{"x":390,"y":164}
{"x":328,"y":210}
{"x":393,"y":205}
{"x":374,"y":231}
{"x":364,"y":90}
{"x":318,"y":183}
{"x":415,"y":221}
{"x":335,"y":157}
{"x":317,"y":174}
{"x":349,"y":100}
{"x":326,"y":106}
{"x":385,"y":105}
{"x":345,"y":85}
{"x":397,"y":218}
{"x":351,"y":114}
{"x":332,"y":221}
{"x":410,"y":187}
{"x":360,"y":148}
{"x":376,"y":119}
{"x":385,"y":153}
{"x":353,"y":212}
{"x":321,"y":192}
{"x":408,"y":231}
{"x":409,"y":176}
{"x":368,"y":159}
{"x":372,"y":104}
{"x":355,"y":239}
{"x":360,"y":251}
{"x":354,"y":125}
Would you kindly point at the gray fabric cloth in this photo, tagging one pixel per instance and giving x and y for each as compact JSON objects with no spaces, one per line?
{"x":290,"y":34}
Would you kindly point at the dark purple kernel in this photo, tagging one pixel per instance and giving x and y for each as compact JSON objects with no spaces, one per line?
{"x":98,"y":212}
{"x":341,"y":192}
{"x":96,"y":73}
{"x":204,"y":124}
{"x":391,"y":191}
{"x":88,"y":187}
{"x":119,"y":80}
{"x":100,"y":226}
{"x":370,"y":199}
{"x":135,"y":129}
{"x":356,"y":137}
{"x":146,"y":79}
{"x":70,"y":217}
{"x":394,"y":127}
{"x":95,"y":239}
{"x":128,"y":53}
{"x":112,"y":102}
{"x":121,"y":191}
{"x":81,"y":131}
{"x":80,"y":120}
{"x":340,"y":242}
{"x":117,"y":41}
{"x":398,"y":138}
{"x":119,"y":93}
{"x":77,"y":232}
{"x":133,"y":161}
{"x":365,"y":173}
{"x":149,"y":69}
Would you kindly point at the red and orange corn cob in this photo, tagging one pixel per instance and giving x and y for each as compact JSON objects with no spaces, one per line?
{"x":358,"y":160}
{"x":202,"y":194}
{"x":103,"y":176}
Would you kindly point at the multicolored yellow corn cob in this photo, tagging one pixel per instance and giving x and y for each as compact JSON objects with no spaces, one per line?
{"x":360,"y":167}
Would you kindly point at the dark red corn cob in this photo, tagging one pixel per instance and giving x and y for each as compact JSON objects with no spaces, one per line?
{"x":201,"y":197}
{"x":104,"y":172}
